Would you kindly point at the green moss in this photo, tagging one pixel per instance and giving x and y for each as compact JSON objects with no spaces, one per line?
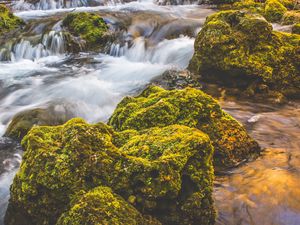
{"x":24,"y":121}
{"x":158,"y":170}
{"x":90,"y":27}
{"x":274,"y":10}
{"x":249,"y":5}
{"x":189,"y":107}
{"x":102,"y":206}
{"x":291,"y":17}
{"x":296,"y":29}
{"x":241,"y":50}
{"x":8,"y":21}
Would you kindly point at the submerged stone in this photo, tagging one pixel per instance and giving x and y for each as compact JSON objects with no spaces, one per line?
{"x":164,"y":172}
{"x":237,"y":49}
{"x":156,"y":107}
{"x":24,"y":121}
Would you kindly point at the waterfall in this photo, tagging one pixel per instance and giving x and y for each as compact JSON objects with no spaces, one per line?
{"x":52,"y":43}
{"x":59,"y":4}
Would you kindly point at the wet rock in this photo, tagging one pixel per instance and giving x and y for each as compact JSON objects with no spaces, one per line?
{"x":189,"y":107}
{"x":164,"y":172}
{"x":86,"y":29}
{"x":24,"y":121}
{"x":8,"y":21}
{"x":173,"y":79}
{"x":240,"y":50}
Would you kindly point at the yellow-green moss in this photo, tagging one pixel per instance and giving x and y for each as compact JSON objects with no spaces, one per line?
{"x":291,"y":17}
{"x":296,"y":29}
{"x":88,"y":26}
{"x":241,"y":50}
{"x":8,"y":21}
{"x":102,"y":206}
{"x":274,"y":10}
{"x":189,"y":107}
{"x":158,"y":171}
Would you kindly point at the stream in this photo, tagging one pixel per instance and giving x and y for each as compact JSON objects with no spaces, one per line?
{"x":154,"y":38}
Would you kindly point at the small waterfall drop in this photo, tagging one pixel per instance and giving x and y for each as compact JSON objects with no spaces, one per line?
{"x":52,"y":43}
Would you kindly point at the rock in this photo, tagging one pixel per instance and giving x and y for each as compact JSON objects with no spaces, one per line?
{"x":8,"y":21}
{"x":274,"y":10}
{"x":24,"y":121}
{"x":167,"y":171}
{"x":102,"y":206}
{"x":87,"y":27}
{"x":240,"y":50}
{"x":173,"y":79}
{"x":156,"y":107}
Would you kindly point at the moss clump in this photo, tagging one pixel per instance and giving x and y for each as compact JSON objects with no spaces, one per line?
{"x":24,"y":121}
{"x":241,"y":50}
{"x":102,"y":206}
{"x":162,"y":172}
{"x":90,"y":27}
{"x":8,"y":21}
{"x":291,"y":17}
{"x":189,"y":107}
{"x":274,"y":10}
{"x":296,"y":29}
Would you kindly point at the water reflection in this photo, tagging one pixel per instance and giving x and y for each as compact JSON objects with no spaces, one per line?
{"x":265,"y":191}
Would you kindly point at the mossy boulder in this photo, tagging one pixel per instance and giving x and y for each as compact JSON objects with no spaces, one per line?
{"x":240,"y":50}
{"x":24,"y":121}
{"x":8,"y":21}
{"x":102,"y":206}
{"x":164,"y":172}
{"x":274,"y":10}
{"x":88,"y":27}
{"x":190,"y":107}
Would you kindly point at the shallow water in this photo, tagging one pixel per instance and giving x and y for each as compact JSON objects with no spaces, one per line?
{"x":89,"y":85}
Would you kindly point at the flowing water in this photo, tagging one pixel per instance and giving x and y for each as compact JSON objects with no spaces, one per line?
{"x":37,"y":72}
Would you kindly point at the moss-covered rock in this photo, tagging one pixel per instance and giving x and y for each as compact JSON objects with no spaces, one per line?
{"x":189,"y":107}
{"x":291,"y":17}
{"x":296,"y":29}
{"x":163,"y":172}
{"x":102,"y":206}
{"x":8,"y":21}
{"x":24,"y":121}
{"x":89,"y":27}
{"x":241,"y":50}
{"x":274,"y":10}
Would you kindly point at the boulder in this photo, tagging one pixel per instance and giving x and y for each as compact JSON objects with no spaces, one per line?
{"x":238,"y":49}
{"x":156,"y":107}
{"x":164,"y":172}
{"x":88,"y":28}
